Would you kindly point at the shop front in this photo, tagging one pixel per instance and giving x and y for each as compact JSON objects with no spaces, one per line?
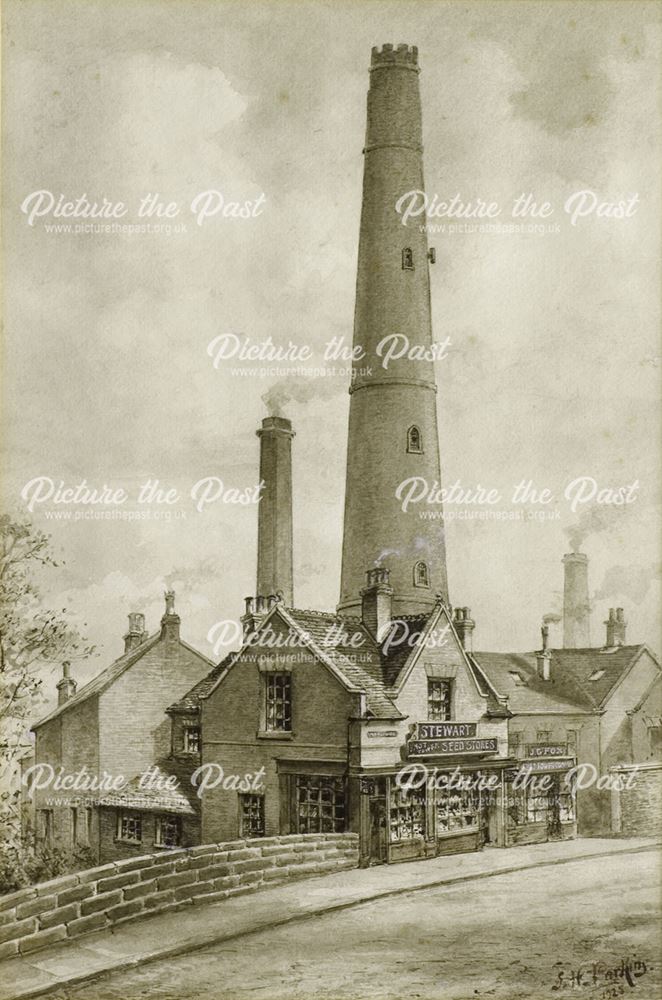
{"x":540,"y":798}
{"x":446,"y":798}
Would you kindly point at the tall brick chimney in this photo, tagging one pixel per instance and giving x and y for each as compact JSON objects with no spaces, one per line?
{"x":66,"y":687}
{"x":464,"y":625}
{"x":136,"y":632}
{"x":576,"y":632}
{"x":376,"y":600}
{"x":616,"y":625}
{"x":170,"y":621}
{"x":544,"y":656}
{"x":274,"y":526}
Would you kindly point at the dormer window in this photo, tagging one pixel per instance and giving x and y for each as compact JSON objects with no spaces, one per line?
{"x":414,"y":440}
{"x":407,"y":259}
{"x":421,"y":575}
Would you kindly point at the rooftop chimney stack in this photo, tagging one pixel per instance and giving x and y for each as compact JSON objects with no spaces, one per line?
{"x":464,"y":626}
{"x":274,"y":526}
{"x":136,"y":633}
{"x":616,"y":625}
{"x":544,"y":656}
{"x":66,"y":687}
{"x":576,"y":634}
{"x":376,"y":602}
{"x":170,"y":621}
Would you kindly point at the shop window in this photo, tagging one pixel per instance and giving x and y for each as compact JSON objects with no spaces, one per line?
{"x":168,"y":831}
{"x":407,"y":811}
{"x":516,"y":805}
{"x":421,"y":575}
{"x":566,"y":806}
{"x":440,"y":694}
{"x":251,"y":816}
{"x":130,"y":827}
{"x":278,"y":716}
{"x":320,"y":804}
{"x":45,"y":825}
{"x":191,"y":739}
{"x":407,"y":259}
{"x":457,"y":811}
{"x":536,"y":807}
{"x":414,"y":440}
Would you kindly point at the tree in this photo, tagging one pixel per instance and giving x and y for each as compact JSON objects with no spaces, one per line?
{"x":31,"y":637}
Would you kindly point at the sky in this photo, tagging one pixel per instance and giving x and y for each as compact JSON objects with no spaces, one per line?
{"x":552,"y":372}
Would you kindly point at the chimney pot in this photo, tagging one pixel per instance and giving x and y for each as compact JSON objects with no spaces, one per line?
{"x":376,"y":602}
{"x":66,"y":687}
{"x":170,"y":621}
{"x":616,"y":626}
{"x":464,"y":626}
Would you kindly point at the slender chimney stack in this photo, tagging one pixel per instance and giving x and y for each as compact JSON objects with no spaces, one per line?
{"x":274,"y":529}
{"x":136,"y":633}
{"x":544,"y":656}
{"x":170,"y":621}
{"x":616,"y":625}
{"x":393,"y":435}
{"x":576,"y":634}
{"x":464,"y":626}
{"x":376,"y":600}
{"x":66,"y":687}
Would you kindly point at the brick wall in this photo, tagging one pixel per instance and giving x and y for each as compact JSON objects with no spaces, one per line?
{"x":636,"y":811}
{"x":71,"y":905}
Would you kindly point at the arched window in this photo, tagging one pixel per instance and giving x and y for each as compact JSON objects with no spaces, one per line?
{"x":407,"y":259}
{"x":414,"y":440}
{"x":421,"y":575}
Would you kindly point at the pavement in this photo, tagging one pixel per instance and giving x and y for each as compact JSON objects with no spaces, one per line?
{"x":175,"y":933}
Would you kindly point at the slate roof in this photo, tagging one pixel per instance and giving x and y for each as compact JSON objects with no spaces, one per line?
{"x":181,"y":800}
{"x":104,"y":679}
{"x":191,"y":700}
{"x":569,"y":688}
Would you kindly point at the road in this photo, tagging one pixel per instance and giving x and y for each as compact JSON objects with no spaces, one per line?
{"x":503,"y":938}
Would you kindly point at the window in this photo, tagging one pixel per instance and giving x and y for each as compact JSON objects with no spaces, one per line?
{"x":251,"y":816}
{"x":536,"y":807}
{"x":45,"y":825}
{"x":168,"y":832}
{"x":129,"y":827}
{"x":421,"y":575}
{"x":278,"y":703}
{"x":518,"y":680}
{"x":543,"y":736}
{"x":191,"y":739}
{"x":596,"y":675}
{"x":457,"y":811}
{"x":414,"y":440}
{"x":320,"y":804}
{"x":407,"y":812}
{"x":407,"y":259}
{"x":439,"y":700}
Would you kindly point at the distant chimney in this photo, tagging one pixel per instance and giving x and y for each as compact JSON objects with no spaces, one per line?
{"x":170,"y":621}
{"x":274,"y":523}
{"x":544,"y":657}
{"x":66,"y":687}
{"x":136,"y":632}
{"x":464,"y":626}
{"x":616,"y":627}
{"x":376,"y":600}
{"x":575,"y":601}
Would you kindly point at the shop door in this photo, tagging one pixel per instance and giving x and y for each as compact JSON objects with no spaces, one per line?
{"x":554,"y":811}
{"x":378,"y":821}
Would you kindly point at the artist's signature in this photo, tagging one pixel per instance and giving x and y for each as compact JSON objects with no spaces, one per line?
{"x":613,"y":980}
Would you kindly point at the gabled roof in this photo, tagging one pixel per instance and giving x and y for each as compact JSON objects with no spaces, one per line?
{"x":191,"y":700}
{"x":357,"y":669}
{"x":570,"y":688}
{"x":104,"y":679}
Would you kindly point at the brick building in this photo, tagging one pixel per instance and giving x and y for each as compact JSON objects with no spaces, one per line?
{"x":116,"y":726}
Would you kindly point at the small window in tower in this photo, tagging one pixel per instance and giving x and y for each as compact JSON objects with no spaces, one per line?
{"x":407,"y":259}
{"x":414,"y":440}
{"x":421,"y":575}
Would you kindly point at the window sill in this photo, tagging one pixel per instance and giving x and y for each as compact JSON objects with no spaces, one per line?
{"x":275,"y":734}
{"x":131,"y":843}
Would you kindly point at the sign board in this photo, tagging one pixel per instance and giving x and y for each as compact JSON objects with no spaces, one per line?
{"x":541,"y":766}
{"x":535,"y":750}
{"x":444,"y":730}
{"x":424,"y":748}
{"x":372,"y":733}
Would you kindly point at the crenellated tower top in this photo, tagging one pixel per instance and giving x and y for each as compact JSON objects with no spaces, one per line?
{"x":401,"y":55}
